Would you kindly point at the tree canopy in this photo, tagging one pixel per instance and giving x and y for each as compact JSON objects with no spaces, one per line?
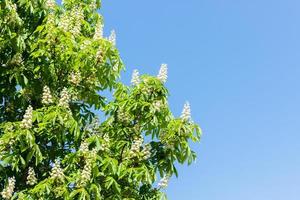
{"x":55,"y":67}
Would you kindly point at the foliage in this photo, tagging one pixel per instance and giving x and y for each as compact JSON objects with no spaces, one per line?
{"x":54,"y":66}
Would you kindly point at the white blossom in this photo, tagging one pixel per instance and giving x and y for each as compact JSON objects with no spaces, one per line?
{"x":106,"y":138}
{"x":77,"y":16}
{"x":50,"y":4}
{"x":105,"y":145}
{"x":135,"y":79}
{"x":47,"y":97}
{"x":9,"y":190}
{"x":65,"y":22}
{"x":186,"y":112}
{"x":85,"y":44}
{"x":123,"y":116}
{"x":163,"y":183}
{"x":94,"y":152}
{"x":72,"y":21}
{"x":157,"y":105}
{"x":92,"y":127}
{"x":27,"y":119}
{"x":146,"y":152}
{"x":86,"y":174}
{"x":12,"y":6}
{"x":31,"y":178}
{"x":64,"y":98}
{"x":93,"y":5}
{"x":11,"y":142}
{"x":84,"y":147}
{"x":57,"y":171}
{"x":135,"y":147}
{"x":51,"y":25}
{"x":98,"y":31}
{"x":51,"y":19}
{"x":99,"y":55}
{"x":163,"y":73}
{"x":75,"y":78}
{"x":112,"y":37}
{"x":13,"y":16}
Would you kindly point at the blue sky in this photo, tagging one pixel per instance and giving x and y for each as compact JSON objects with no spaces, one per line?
{"x":238,"y":64}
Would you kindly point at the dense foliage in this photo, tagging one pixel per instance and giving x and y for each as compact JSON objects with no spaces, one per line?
{"x":55,"y":66}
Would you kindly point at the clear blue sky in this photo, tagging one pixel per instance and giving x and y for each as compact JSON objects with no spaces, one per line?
{"x":238,"y":63}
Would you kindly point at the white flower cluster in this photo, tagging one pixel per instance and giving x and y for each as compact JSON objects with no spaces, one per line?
{"x":163,"y":73}
{"x":77,"y":16}
{"x":147,"y":90}
{"x":51,"y":25}
{"x":57,"y":172}
{"x":31,"y":178}
{"x":106,"y":144}
{"x":84,"y":147}
{"x":85,"y":44}
{"x":13,"y":16}
{"x":50,"y":4}
{"x":72,"y":21}
{"x":51,"y":19}
{"x":93,"y":5}
{"x":186,"y":112}
{"x":65,"y":22}
{"x":99,"y":56}
{"x":157,"y":105}
{"x":86,"y":174}
{"x":94,"y":153}
{"x":75,"y":78}
{"x":11,"y":142}
{"x":146,"y":152}
{"x":112,"y":37}
{"x":135,"y":79}
{"x":12,"y":6}
{"x":123,"y":116}
{"x":47,"y":97}
{"x":106,"y":138}
{"x":93,"y":126}
{"x":163,"y":183}
{"x":17,"y":59}
{"x":27,"y":119}
{"x":98,"y":31}
{"x":135,"y":147}
{"x":9,"y":190}
{"x":64,"y":98}
{"x":92,"y":79}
